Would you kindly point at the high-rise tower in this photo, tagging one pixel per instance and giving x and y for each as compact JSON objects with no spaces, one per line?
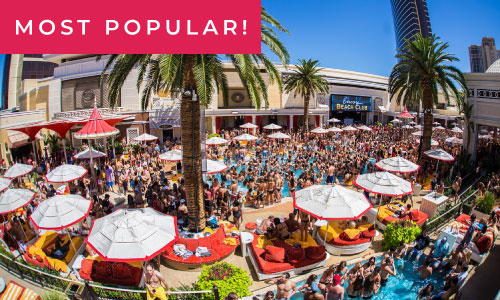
{"x":410,"y":17}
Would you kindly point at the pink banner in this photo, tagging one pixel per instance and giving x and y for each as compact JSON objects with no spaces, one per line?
{"x":153,"y":26}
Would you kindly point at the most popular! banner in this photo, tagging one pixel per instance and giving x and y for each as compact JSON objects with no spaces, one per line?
{"x":157,"y":26}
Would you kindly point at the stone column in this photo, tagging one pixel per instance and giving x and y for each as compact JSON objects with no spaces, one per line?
{"x":214,"y":125}
{"x":291,"y":121}
{"x":254,"y":119}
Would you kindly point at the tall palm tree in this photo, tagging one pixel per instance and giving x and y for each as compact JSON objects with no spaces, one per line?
{"x":420,"y":72}
{"x":194,"y":78}
{"x":307,"y":82}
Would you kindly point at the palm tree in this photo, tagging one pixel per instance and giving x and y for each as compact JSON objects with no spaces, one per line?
{"x":194,"y":77}
{"x":421,"y":71}
{"x":307,"y":82}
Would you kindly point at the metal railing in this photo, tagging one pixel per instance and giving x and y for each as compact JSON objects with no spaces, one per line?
{"x":70,"y":286}
{"x":452,"y":212}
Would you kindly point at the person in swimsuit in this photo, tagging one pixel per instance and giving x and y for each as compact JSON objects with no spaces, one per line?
{"x":154,"y":280}
{"x":285,"y":288}
{"x":387,"y":269}
{"x":334,"y":291}
{"x":311,"y":289}
{"x":426,"y":291}
{"x":372,"y":284}
{"x":326,"y":278}
{"x":304,"y":225}
{"x":237,"y":213}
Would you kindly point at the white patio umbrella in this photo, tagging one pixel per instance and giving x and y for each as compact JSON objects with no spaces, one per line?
{"x":18,"y":170}
{"x":331,"y":202}
{"x":334,"y":129}
{"x":457,"y":130}
{"x":4,"y":184}
{"x":383,"y":183}
{"x":319,"y":130}
{"x":364,"y":127}
{"x":433,"y":142}
{"x":439,"y":128}
{"x":417,"y":133}
{"x":60,"y":211}
{"x":454,"y":140}
{"x":407,"y":127}
{"x":412,"y":123}
{"x":397,"y":164}
{"x":172,"y":155}
{"x":132,"y":234}
{"x":333,"y":120}
{"x":215,"y":167}
{"x":66,"y":173}
{"x":145,"y":138}
{"x":396,"y":121}
{"x":436,"y":123}
{"x":349,"y":128}
{"x":249,"y":126}
{"x":439,"y":154}
{"x":246,"y":137}
{"x":418,"y":127}
{"x":215,"y":140}
{"x":272,"y":126}
{"x":85,"y":154}
{"x":278,"y":135}
{"x":13,"y":199}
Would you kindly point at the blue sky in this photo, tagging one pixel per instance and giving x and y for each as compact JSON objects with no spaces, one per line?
{"x":358,"y":35}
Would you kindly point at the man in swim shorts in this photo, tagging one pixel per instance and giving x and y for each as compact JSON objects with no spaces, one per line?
{"x":153,"y":280}
{"x":284,"y":286}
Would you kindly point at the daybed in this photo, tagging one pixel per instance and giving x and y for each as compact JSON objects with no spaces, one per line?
{"x":119,"y":273}
{"x":220,"y":246}
{"x":38,"y":253}
{"x":273,"y":258}
{"x":480,"y":248}
{"x":386,"y":215}
{"x":348,"y":241}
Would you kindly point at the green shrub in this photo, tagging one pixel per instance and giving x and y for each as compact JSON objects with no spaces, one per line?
{"x":227,"y":277}
{"x":53,"y":296}
{"x":396,"y":232}
{"x":213,"y":135}
{"x":485,"y":204}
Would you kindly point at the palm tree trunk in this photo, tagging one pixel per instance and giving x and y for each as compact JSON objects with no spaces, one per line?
{"x":306,"y":113}
{"x":191,"y":154}
{"x":427,"y":106}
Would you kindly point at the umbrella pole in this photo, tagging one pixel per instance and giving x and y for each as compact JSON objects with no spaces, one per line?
{"x":24,"y":232}
{"x":71,"y":241}
{"x":64,"y":148}
{"x":326,"y":232}
{"x":34,"y":150}
{"x":114,"y":153}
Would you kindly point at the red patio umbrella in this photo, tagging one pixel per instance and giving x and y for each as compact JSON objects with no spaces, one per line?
{"x":405,"y":115}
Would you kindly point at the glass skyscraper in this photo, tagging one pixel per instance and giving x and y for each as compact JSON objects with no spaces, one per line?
{"x":410,"y":17}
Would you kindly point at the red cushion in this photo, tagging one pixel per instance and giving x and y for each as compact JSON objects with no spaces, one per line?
{"x":295,"y":255}
{"x":368,"y":234}
{"x":223,"y":250}
{"x":315,"y":252}
{"x":193,"y":259}
{"x":275,"y":254}
{"x":250,"y":225}
{"x":121,"y":270}
{"x":463,"y":218}
{"x":339,"y":242}
{"x":39,"y":258}
{"x":345,"y":237}
{"x":414,"y":215}
{"x":205,"y":242}
{"x":191,"y":245}
{"x":388,"y":220}
{"x":483,"y":244}
{"x":102,"y":268}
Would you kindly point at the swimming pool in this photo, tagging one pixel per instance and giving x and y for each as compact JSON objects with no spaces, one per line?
{"x":404,"y":286}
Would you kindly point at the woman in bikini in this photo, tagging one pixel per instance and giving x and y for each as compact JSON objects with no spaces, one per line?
{"x":237,"y":213}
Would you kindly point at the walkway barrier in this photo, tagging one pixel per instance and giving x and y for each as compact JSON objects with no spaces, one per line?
{"x":47,"y":280}
{"x":453,"y":212}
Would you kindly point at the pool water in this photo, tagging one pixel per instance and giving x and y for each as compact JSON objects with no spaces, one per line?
{"x":404,"y":286}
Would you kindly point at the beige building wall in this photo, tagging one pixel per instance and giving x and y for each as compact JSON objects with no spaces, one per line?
{"x":15,"y":76}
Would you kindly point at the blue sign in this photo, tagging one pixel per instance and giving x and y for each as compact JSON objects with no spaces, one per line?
{"x":350,"y":103}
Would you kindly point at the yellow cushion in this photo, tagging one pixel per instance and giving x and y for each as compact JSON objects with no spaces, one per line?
{"x":333,"y":231}
{"x":352,"y":233}
{"x":230,"y":241}
{"x":262,"y":242}
{"x":364,"y":227}
{"x":295,"y":239}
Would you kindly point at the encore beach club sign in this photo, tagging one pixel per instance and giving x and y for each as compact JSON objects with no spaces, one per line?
{"x":350,"y":103}
{"x":112,"y":26}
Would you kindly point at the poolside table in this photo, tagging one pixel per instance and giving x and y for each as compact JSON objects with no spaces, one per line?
{"x":245,"y":239}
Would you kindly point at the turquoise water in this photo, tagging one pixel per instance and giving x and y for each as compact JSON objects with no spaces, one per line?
{"x":404,"y":286}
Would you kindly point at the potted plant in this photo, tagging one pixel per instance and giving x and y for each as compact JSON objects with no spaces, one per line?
{"x":401,"y":231}
{"x":227,"y":277}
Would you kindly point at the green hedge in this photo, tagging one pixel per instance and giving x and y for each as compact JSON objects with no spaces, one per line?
{"x":227,"y":277}
{"x":396,"y":232}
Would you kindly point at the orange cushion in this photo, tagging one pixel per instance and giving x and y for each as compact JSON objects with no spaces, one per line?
{"x":250,"y":225}
{"x":483,"y":244}
{"x":295,"y":255}
{"x":315,"y":252}
{"x":275,"y":254}
{"x":414,"y":215}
